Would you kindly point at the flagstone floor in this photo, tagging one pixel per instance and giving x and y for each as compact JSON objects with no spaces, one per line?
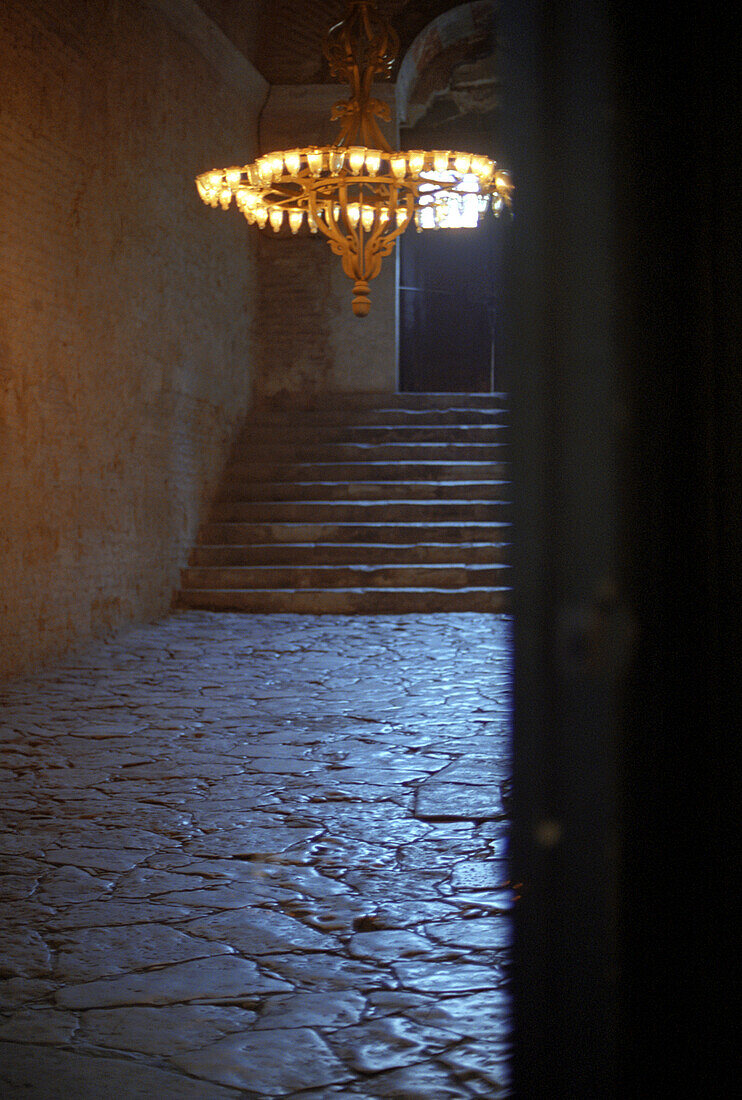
{"x":259,"y":856}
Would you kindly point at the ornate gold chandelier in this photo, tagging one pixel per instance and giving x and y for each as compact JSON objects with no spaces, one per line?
{"x":359,"y":193}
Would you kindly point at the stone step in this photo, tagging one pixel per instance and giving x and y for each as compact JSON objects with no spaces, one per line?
{"x":437,"y":470}
{"x":346,"y":403}
{"x":363,"y":490}
{"x":346,"y":601}
{"x":382,"y":415}
{"x":375,"y":503}
{"x":319,"y":553}
{"x":313,"y":432}
{"x":340,"y":576}
{"x":323,"y":451}
{"x":375,"y":533}
{"x":341,"y":511}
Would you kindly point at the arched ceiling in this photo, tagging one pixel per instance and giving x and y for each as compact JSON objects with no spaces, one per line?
{"x":451,"y":69}
{"x":283,"y":38}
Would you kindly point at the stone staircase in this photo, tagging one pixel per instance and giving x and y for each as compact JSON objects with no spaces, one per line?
{"x":370,"y":504}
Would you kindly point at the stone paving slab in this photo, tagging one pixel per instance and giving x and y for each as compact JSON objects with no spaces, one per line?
{"x":270,"y":1063}
{"x":45,"y":1073}
{"x":165,"y":1029}
{"x":259,"y":856}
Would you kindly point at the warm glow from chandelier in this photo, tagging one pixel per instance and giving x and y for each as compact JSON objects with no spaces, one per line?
{"x":359,"y":193}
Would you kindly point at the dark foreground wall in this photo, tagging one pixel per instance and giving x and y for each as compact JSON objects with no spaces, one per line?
{"x":624,"y":335}
{"x":125,"y":323}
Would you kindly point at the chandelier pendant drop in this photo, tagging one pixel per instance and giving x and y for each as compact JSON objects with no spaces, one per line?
{"x":359,"y":193}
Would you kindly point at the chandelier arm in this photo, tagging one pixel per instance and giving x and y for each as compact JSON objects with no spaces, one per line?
{"x":326,"y":224}
{"x":365,"y":83}
{"x":351,"y":242}
{"x":346,"y":247}
{"x":286,"y":199}
{"x":336,"y":239}
{"x":354,"y":263}
{"x":376,"y":233}
{"x":348,"y":128}
{"x":371,"y":133}
{"x":343,"y":196}
{"x":367,"y":26}
{"x":390,"y":238}
{"x":382,"y":239}
{"x":371,"y":261}
{"x":359,"y":121}
{"x":383,"y":229}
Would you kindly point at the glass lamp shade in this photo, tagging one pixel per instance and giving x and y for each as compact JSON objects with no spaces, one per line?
{"x":293,"y":162}
{"x":356,"y":157}
{"x":314,"y":160}
{"x":373,"y":161}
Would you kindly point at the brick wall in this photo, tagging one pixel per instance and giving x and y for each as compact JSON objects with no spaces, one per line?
{"x":126,"y":309}
{"x":308,"y":340}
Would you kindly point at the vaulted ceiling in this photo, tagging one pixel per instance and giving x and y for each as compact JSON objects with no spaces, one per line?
{"x":283,"y":38}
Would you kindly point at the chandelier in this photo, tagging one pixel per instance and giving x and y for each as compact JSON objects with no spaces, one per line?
{"x":360,"y":193}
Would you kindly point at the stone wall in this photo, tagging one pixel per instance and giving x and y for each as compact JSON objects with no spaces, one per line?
{"x":126,"y":348}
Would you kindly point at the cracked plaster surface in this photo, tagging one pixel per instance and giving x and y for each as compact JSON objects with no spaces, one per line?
{"x":259,"y":856}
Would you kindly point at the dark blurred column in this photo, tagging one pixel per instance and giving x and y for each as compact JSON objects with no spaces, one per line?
{"x":570,"y":626}
{"x":623,"y":337}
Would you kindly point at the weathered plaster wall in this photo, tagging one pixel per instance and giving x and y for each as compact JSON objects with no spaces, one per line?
{"x":309,"y":341}
{"x":239,"y":21}
{"x":126,"y":310}
{"x":455,"y":56}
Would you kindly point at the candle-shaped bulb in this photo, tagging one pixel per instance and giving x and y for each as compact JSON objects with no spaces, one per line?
{"x":356,"y":157}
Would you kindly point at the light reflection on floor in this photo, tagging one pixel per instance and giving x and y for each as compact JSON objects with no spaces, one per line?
{"x":259,"y":856}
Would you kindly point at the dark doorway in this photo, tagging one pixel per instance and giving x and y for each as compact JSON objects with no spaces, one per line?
{"x":449,"y":280}
{"x":448,"y":309}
